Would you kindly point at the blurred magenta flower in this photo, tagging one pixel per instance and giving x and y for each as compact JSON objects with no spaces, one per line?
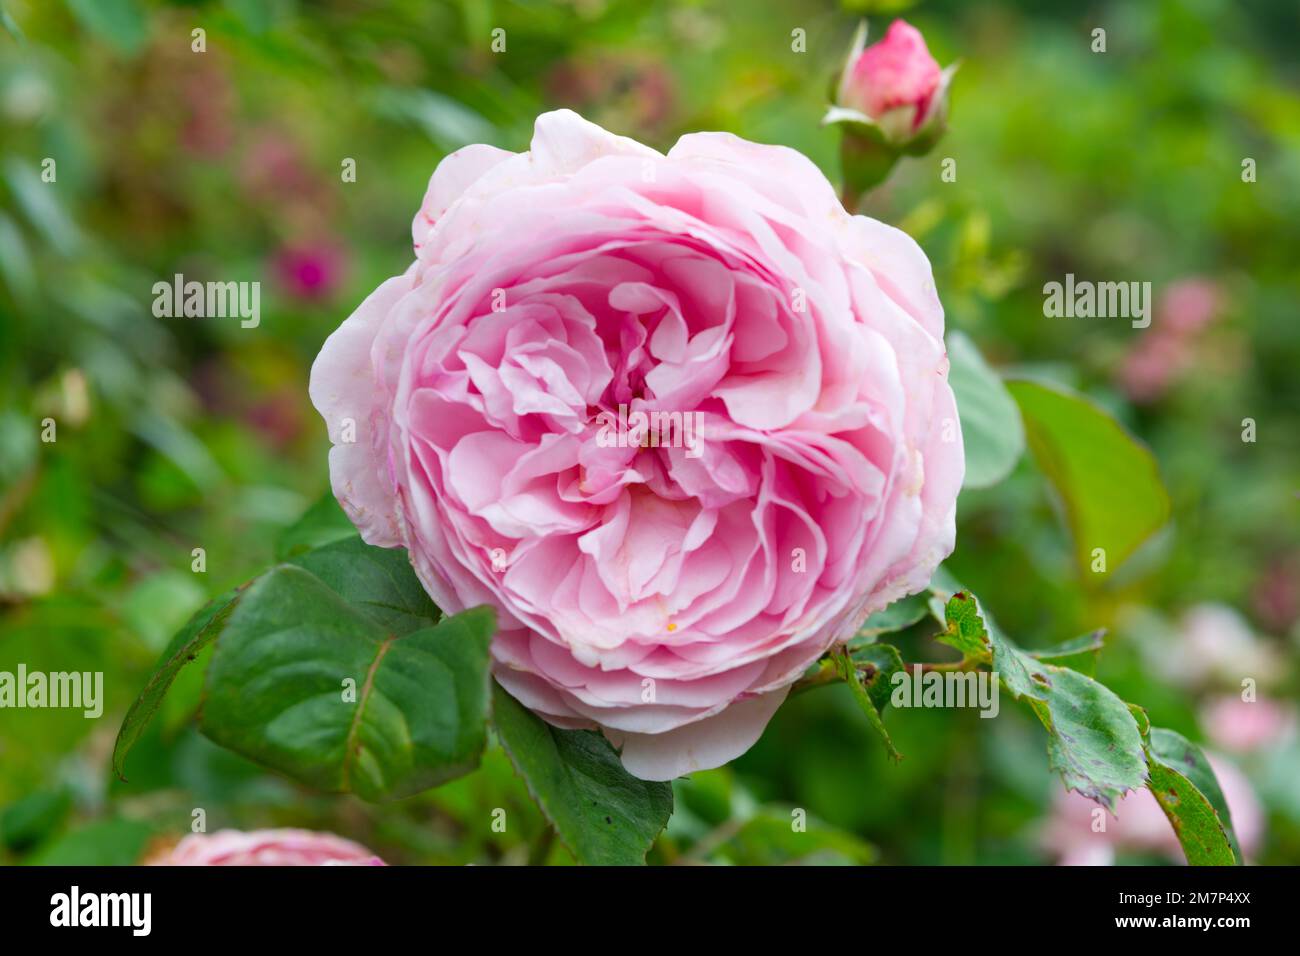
{"x":210,"y":105}
{"x":275,"y":173}
{"x":1139,"y":825}
{"x":311,"y":271}
{"x":630,"y":90}
{"x":284,"y":847}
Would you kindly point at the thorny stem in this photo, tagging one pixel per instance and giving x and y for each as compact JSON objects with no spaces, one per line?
{"x":848,"y":670}
{"x":827,"y":673}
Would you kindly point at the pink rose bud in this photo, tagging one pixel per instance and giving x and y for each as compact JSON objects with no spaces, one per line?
{"x":892,"y":99}
{"x":284,"y":847}
{"x":894,"y":82}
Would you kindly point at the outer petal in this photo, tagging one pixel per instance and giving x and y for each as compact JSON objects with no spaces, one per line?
{"x":899,"y":267}
{"x":564,"y":142}
{"x":783,"y":174}
{"x":343,"y":388}
{"x":456,"y":173}
{"x":702,"y":745}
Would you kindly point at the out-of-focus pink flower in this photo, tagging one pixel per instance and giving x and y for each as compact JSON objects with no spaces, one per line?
{"x":284,"y":847}
{"x":1240,"y":725}
{"x":1276,"y":596}
{"x":210,"y":105}
{"x":274,"y":172}
{"x":1214,"y":643}
{"x":1189,"y":305}
{"x":1184,"y":310}
{"x":310,"y":272}
{"x":639,"y":90}
{"x":894,"y":81}
{"x":1139,"y":825}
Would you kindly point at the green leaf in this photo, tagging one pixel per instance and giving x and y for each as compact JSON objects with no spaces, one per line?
{"x":1079,"y":653}
{"x":975,"y":634}
{"x":15,"y":262}
{"x":113,"y":842}
{"x":1107,"y":481}
{"x":120,"y":23}
{"x":323,"y":523}
{"x":603,"y":814}
{"x":10,"y":25}
{"x":991,"y":428}
{"x":877,"y":665}
{"x":378,"y":582}
{"x":183,"y":649}
{"x":965,"y":629}
{"x":769,"y":839}
{"x":30,"y":820}
{"x":1183,"y":783}
{"x":898,"y":616}
{"x":850,"y":674}
{"x":314,"y":686}
{"x":40,"y":205}
{"x":1093,"y":737}
{"x":447,"y":122}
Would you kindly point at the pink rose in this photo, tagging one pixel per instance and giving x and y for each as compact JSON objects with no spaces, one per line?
{"x":669,"y":592}
{"x":266,"y":848}
{"x":895,"y":81}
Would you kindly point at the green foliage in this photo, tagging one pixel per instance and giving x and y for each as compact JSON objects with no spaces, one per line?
{"x":184,"y":649}
{"x":901,"y":614}
{"x":323,"y":523}
{"x":1108,"y":482}
{"x":303,"y":681}
{"x":111,"y":842}
{"x":848,"y":671}
{"x":1093,"y":740}
{"x":335,"y":670}
{"x":1184,"y":785}
{"x":175,"y":434}
{"x":603,"y":814}
{"x":993,"y":435}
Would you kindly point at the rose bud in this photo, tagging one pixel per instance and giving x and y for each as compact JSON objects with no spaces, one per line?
{"x":892,"y":99}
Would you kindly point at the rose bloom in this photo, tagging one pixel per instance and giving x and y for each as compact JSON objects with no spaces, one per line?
{"x":894,"y":81}
{"x":285,"y":847}
{"x":666,"y":594}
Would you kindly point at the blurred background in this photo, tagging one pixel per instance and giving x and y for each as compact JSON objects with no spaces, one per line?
{"x":174,"y":434}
